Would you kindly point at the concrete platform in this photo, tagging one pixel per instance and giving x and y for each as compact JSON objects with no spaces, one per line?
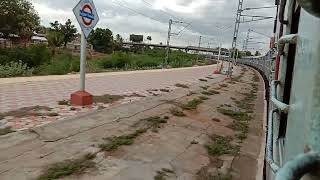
{"x":25,"y":155}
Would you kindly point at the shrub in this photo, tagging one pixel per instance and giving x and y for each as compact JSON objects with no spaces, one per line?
{"x":61,"y":64}
{"x":14,"y":69}
{"x":33,"y":56}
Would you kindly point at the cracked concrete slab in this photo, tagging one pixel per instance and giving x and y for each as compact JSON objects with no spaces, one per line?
{"x":178,"y":145}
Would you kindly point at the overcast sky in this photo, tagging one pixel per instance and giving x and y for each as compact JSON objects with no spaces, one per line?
{"x":205,"y":16}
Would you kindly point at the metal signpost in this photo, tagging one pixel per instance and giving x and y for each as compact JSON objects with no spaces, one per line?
{"x":87,"y":18}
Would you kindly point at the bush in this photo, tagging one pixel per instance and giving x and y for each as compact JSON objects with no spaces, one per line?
{"x":33,"y":56}
{"x":14,"y":69}
{"x":61,"y":64}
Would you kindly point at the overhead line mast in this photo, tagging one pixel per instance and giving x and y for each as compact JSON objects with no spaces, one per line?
{"x":237,"y":25}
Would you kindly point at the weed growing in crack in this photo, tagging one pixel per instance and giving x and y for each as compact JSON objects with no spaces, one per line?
{"x":163,"y":174}
{"x":193,"y":104}
{"x":205,"y":175}
{"x":182,"y":86}
{"x":204,"y":87}
{"x":207,"y":93}
{"x":203,"y":98}
{"x":203,"y":80}
{"x":7,"y":130}
{"x":64,"y":102}
{"x":214,"y":92}
{"x":68,"y":167}
{"x":223,"y":85}
{"x":177,"y":112}
{"x":107,"y":98}
{"x":191,"y":93}
{"x":164,"y":90}
{"x":115,"y":142}
{"x":220,"y":145}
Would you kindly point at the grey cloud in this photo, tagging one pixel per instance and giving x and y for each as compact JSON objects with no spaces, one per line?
{"x":204,"y":20}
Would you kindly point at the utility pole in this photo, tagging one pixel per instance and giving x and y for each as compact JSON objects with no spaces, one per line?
{"x":245,"y":46}
{"x":235,"y":37}
{"x":168,"y":43}
{"x":199,"y":47}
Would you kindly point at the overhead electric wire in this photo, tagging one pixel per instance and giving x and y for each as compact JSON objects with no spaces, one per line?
{"x":137,"y":12}
{"x":165,"y":12}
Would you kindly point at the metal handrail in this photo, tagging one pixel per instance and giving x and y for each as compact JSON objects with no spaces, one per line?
{"x":291,"y":39}
{"x":269,"y":155}
{"x":280,"y":105}
{"x":299,"y":166}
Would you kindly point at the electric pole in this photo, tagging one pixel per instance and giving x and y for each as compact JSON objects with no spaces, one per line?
{"x":166,"y":60}
{"x":199,"y":47}
{"x":235,"y":37}
{"x":245,"y":46}
{"x":168,"y":43}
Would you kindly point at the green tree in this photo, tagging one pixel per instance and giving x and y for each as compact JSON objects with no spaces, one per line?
{"x":18,"y":17}
{"x":149,"y":38}
{"x":102,"y":40}
{"x":69,"y":31}
{"x":118,"y":43}
{"x":55,"y":39}
{"x":257,"y":53}
{"x":55,"y":26}
{"x":248,"y":53}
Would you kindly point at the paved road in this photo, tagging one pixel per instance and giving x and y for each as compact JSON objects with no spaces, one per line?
{"x":24,"y":92}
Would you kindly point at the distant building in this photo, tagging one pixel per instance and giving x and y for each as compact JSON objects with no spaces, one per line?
{"x":75,"y":45}
{"x":39,"y":39}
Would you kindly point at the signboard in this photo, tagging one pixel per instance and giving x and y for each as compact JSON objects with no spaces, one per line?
{"x":86,"y":15}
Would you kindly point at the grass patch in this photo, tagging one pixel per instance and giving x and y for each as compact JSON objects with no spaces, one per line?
{"x":53,"y":114}
{"x":209,"y":77}
{"x":220,"y":145}
{"x":64,"y":102}
{"x":193,"y":104}
{"x":214,"y":92}
{"x":115,"y":142}
{"x":5,"y":131}
{"x":222,"y":177}
{"x":163,"y":174}
{"x":177,"y":112}
{"x":205,"y":175}
{"x":191,"y":93}
{"x":203,"y":98}
{"x":223,"y":85}
{"x":207,"y":93}
{"x":204,"y":87}
{"x":182,"y":86}
{"x":240,"y":123}
{"x":203,"y":80}
{"x":67,"y":168}
{"x":255,"y":78}
{"x":107,"y":98}
{"x":164,"y":90}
